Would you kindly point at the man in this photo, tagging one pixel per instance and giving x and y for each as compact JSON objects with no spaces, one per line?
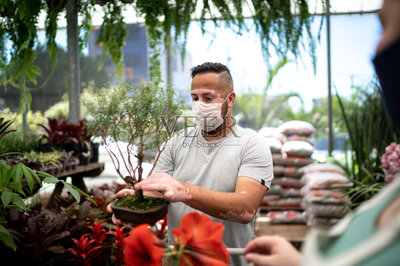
{"x":217,"y":167}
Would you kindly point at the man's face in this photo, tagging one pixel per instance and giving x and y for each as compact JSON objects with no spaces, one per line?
{"x":206,"y":88}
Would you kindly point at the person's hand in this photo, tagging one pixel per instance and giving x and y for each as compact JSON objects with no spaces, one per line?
{"x":120,"y":194}
{"x":171,"y":189}
{"x":271,"y":250}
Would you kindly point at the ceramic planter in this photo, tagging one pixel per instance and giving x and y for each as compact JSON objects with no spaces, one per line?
{"x":140,"y":216}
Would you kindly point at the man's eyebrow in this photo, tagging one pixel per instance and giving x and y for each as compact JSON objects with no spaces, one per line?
{"x":203,"y":94}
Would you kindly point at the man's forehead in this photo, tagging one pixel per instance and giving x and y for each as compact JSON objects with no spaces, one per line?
{"x":205,"y":92}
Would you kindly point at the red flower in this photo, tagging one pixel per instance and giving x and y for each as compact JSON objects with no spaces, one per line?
{"x":202,"y":239}
{"x":119,"y":244}
{"x":83,"y":254}
{"x":141,"y":247}
{"x":99,"y":233}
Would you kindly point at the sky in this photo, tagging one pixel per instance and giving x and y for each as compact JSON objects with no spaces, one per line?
{"x":353,"y":42}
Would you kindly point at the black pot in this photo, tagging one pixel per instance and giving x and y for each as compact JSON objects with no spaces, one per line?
{"x":140,"y":216}
{"x":78,"y":150}
{"x":49,"y":147}
{"x":95,"y":152}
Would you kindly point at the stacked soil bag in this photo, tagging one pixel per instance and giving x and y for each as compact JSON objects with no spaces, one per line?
{"x":291,"y":149}
{"x":323,"y":199}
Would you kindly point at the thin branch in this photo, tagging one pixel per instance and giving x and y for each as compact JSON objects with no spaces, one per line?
{"x":112,"y":156}
{"x":123,"y":158}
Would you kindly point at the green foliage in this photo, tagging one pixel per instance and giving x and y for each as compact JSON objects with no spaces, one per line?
{"x":256,"y":110}
{"x":279,"y":23}
{"x":4,"y":124}
{"x":370,"y":132}
{"x":54,"y":8}
{"x":13,"y":193}
{"x":17,"y":143}
{"x":33,"y":119}
{"x":277,"y":26}
{"x":51,"y":85}
{"x":132,"y":115}
{"x":112,"y":35}
{"x":318,"y":116}
{"x":19,"y":26}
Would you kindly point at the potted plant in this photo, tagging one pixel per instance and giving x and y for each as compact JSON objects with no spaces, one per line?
{"x":128,"y":121}
{"x":62,"y":135}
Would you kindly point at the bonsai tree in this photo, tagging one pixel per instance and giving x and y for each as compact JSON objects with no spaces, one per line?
{"x":130,"y":120}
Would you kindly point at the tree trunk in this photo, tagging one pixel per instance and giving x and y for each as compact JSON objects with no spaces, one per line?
{"x":73,"y":61}
{"x":139,"y":193}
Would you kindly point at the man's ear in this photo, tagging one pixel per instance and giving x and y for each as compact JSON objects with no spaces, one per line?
{"x":231,"y":99}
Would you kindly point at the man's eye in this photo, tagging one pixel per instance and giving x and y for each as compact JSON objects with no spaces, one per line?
{"x":195,"y":99}
{"x":208,"y":99}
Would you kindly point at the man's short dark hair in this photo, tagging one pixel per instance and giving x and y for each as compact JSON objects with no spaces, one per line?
{"x":209,"y":67}
{"x":225,"y":75}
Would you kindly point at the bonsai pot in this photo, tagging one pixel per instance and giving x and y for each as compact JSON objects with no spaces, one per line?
{"x":140,"y":216}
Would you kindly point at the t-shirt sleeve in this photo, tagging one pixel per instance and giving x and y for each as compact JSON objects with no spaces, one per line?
{"x":257,"y":161}
{"x":165,"y":163}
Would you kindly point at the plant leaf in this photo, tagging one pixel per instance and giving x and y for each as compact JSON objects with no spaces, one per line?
{"x":73,"y":191}
{"x":6,"y":238}
{"x":71,"y":188}
{"x":27,"y":173}
{"x":6,"y":197}
{"x":49,"y":179}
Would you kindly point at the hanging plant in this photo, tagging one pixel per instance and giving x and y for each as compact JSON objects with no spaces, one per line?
{"x":54,"y":8}
{"x":18,"y":25}
{"x":282,"y":24}
{"x":112,"y":36}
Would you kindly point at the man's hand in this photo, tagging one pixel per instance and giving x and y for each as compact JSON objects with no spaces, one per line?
{"x":170,"y":188}
{"x":271,"y":250}
{"x":120,"y":194}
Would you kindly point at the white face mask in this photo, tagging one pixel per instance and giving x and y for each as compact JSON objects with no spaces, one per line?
{"x":208,"y":115}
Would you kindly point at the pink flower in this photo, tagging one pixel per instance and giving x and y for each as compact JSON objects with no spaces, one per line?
{"x":391,"y":161}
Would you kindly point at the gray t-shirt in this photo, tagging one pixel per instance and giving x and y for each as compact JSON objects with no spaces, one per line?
{"x":216,"y":165}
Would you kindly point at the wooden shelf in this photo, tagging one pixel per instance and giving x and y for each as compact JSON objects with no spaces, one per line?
{"x":77,"y":175}
{"x":89,"y":170}
{"x":279,"y":208}
{"x":292,"y":232}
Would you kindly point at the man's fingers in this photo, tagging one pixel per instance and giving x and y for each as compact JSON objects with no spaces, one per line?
{"x":153,"y":187}
{"x":109,"y":209}
{"x":258,"y":259}
{"x":260,"y":245}
{"x":116,"y":220}
{"x":124,"y":192}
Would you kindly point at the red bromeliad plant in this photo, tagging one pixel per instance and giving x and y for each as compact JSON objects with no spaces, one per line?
{"x":83,"y":252}
{"x":198,"y":241}
{"x":119,"y":244}
{"x":99,"y":245}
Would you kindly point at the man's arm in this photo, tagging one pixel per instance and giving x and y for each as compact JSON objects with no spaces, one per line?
{"x":238,"y":206}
